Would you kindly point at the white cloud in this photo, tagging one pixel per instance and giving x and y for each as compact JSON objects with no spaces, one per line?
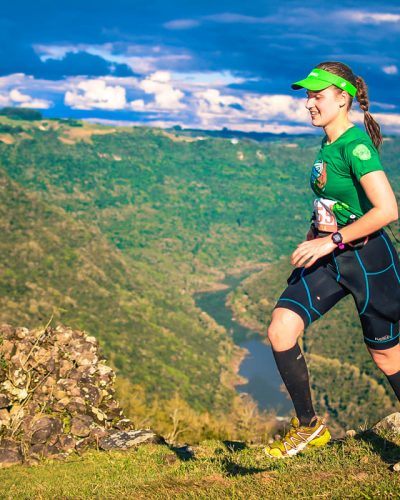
{"x":181,"y":24}
{"x":37,"y":104}
{"x":390,"y":70}
{"x":207,"y":79}
{"x":363,"y":17}
{"x":271,"y":127}
{"x":383,"y":105}
{"x":231,"y":17}
{"x":92,"y":94}
{"x":16,"y":98}
{"x":166,"y":97}
{"x":141,"y":59}
{"x":388,"y":119}
{"x":5,"y":100}
{"x":212,"y":107}
{"x":12,"y":80}
{"x":282,"y":107}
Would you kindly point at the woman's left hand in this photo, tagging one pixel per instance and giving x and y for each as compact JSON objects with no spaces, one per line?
{"x":308,"y":252}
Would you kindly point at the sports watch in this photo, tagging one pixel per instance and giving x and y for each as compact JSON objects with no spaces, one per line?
{"x":337,"y":238}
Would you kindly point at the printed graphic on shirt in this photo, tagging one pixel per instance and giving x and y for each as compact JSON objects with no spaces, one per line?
{"x":319,"y":175}
{"x":361,"y":151}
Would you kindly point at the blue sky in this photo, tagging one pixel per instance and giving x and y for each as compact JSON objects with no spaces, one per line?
{"x":208,"y":64}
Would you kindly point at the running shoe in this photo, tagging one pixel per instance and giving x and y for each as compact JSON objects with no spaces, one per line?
{"x":298,"y":438}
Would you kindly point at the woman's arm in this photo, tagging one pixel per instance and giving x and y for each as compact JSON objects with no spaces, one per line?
{"x":384,"y":210}
{"x":384,"y":207}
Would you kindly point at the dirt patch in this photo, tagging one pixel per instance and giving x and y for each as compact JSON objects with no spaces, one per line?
{"x":361,"y":476}
{"x":66,"y":141}
{"x":6,"y":138}
{"x":266,"y":477}
{"x":182,"y":138}
{"x":75,"y":134}
{"x":24,"y":135}
{"x":216,"y":478}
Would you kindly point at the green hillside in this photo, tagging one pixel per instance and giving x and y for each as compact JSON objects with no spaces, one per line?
{"x":111,"y":230}
{"x":54,"y":265}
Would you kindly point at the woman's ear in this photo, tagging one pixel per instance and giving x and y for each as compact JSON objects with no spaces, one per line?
{"x":342,"y":99}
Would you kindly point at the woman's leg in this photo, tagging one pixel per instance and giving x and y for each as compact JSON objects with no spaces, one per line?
{"x":388,"y":361}
{"x":284,"y":330}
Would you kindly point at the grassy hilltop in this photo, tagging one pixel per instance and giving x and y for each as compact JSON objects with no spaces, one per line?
{"x":111,"y":230}
{"x":359,"y":467}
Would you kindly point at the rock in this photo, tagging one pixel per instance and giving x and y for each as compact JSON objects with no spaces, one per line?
{"x":4,"y":417}
{"x":37,"y":450}
{"x":92,"y":394}
{"x":76,"y":405}
{"x":80,"y":425}
{"x":351,"y":433}
{"x":21,"y":332}
{"x":391,"y":423}
{"x":66,"y":442}
{"x":123,"y":440}
{"x":124,"y":425}
{"x":98,"y":415}
{"x":45,"y":430}
{"x":97,"y":433}
{"x":87,"y":442}
{"x":57,"y":391}
{"x":4,"y":401}
{"x":396,"y":467}
{"x":9,"y":444}
{"x":9,"y":457}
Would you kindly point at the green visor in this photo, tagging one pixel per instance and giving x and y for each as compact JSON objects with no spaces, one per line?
{"x":319,"y":79}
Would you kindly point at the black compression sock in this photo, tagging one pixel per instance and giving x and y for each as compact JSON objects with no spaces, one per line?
{"x":394,"y":381}
{"x":294,"y":373}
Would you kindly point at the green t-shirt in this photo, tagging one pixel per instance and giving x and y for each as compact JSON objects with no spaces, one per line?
{"x":338,"y":169}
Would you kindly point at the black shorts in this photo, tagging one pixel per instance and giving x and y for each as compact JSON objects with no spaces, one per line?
{"x":371,"y":274}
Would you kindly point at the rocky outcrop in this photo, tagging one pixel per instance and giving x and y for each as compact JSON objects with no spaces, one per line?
{"x":390,"y":424}
{"x":56,"y":396}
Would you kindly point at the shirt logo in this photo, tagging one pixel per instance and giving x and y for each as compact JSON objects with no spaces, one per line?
{"x":361,"y":151}
{"x":318,"y":175}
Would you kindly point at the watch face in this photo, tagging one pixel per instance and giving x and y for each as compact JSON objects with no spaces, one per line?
{"x":337,"y":238}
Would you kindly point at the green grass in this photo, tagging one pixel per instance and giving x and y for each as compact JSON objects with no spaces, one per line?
{"x":359,"y":467}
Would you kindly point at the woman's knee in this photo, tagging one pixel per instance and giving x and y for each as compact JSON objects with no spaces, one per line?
{"x":286,"y":326}
{"x":388,"y":360}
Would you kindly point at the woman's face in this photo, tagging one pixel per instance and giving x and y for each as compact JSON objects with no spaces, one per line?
{"x":325,"y":106}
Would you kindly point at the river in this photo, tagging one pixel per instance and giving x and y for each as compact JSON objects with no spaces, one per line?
{"x":259,"y":366}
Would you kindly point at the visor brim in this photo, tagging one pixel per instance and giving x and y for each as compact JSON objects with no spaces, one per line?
{"x":311,"y":84}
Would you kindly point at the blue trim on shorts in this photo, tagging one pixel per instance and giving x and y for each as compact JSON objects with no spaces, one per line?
{"x":308,"y":292}
{"x":391,"y":256}
{"x":301,"y":305}
{"x":366,"y":281}
{"x":380,"y":272}
{"x":337,"y":267}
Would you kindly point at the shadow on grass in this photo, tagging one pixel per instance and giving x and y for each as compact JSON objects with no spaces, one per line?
{"x":235,"y":445}
{"x":233,"y":469}
{"x":184,"y":453}
{"x":388,"y":451}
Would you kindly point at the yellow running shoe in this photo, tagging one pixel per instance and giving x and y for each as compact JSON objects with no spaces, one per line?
{"x":298,"y":438}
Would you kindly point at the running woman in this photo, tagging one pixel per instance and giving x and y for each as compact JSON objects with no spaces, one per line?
{"x":346,"y":249}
